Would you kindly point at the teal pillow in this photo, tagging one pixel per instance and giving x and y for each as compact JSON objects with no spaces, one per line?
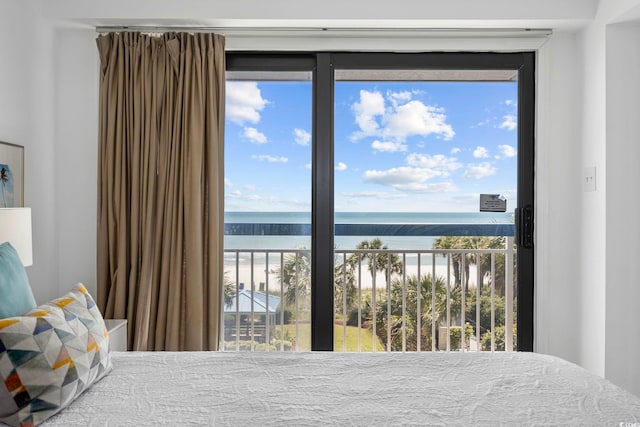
{"x":16,"y":297}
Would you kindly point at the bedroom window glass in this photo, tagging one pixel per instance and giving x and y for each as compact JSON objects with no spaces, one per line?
{"x":414,"y":149}
{"x":267,"y":265}
{"x":362,"y":135}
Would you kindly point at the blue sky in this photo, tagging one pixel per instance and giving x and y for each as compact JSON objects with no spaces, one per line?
{"x":399,"y":146}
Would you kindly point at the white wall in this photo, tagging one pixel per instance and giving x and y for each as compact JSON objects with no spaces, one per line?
{"x":22,"y":123}
{"x":48,"y":82}
{"x":558,"y":329}
{"x":591,"y":213}
{"x":623,"y":204}
{"x":15,"y":82}
{"x":40,"y":165}
{"x":75,"y":109}
{"x":577,"y":234}
{"x":609,"y":272}
{"x":67,"y":137}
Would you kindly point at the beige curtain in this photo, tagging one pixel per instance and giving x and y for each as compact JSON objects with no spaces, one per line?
{"x":160,"y":187}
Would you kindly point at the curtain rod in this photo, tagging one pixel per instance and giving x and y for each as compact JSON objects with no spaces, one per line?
{"x":513,"y":32}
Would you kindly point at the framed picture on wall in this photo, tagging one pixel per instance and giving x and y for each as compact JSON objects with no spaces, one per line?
{"x":11,"y":175}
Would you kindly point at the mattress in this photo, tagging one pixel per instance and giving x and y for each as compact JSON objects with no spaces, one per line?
{"x":348,"y":389}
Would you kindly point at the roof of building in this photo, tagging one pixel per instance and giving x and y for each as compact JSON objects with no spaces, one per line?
{"x":260,"y":305}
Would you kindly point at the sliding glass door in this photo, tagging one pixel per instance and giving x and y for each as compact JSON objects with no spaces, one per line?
{"x":267,"y":289}
{"x":415,"y":149}
{"x":414,"y":228}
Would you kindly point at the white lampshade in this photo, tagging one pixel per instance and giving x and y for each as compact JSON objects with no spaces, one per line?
{"x":15,"y":228}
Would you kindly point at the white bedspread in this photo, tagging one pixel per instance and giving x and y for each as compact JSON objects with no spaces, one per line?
{"x":354,"y":389}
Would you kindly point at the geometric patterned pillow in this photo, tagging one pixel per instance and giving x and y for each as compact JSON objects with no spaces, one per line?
{"x":49,"y":356}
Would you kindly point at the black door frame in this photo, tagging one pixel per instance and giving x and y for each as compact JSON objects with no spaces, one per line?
{"x":323,"y":65}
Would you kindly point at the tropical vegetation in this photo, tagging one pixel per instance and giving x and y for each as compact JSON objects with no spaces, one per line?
{"x":408,"y":309}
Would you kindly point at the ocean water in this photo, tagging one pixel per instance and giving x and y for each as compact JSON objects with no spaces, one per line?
{"x":264,"y":267}
{"x":350,"y":242}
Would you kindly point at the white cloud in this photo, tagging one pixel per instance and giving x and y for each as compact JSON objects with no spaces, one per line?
{"x":243,"y":102}
{"x":243,"y":202}
{"x":399,"y":176}
{"x":396,"y":97}
{"x":507,"y":150}
{"x":480,"y":153}
{"x":483,"y":123}
{"x":401,"y":119}
{"x":254,"y":135}
{"x":416,"y":118}
{"x":373,"y":194}
{"x":509,"y":122}
{"x":228,"y":183}
{"x":249,"y":187}
{"x":270,"y":159}
{"x":439,"y":187}
{"x":437,"y":161}
{"x":308,"y":166}
{"x":389,"y":147}
{"x":409,"y":179}
{"x":413,"y":178}
{"x":480,"y":171}
{"x":455,"y":150}
{"x":302,"y":137}
{"x":241,"y":196}
{"x":510,"y":103}
{"x":370,"y":106}
{"x":341,"y":166}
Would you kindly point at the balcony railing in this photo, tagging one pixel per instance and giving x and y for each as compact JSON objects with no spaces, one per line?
{"x":458,"y":299}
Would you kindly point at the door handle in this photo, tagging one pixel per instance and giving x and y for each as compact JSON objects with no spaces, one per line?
{"x":524,"y":227}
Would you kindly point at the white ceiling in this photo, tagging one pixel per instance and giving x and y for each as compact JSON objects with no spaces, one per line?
{"x":332,"y":14}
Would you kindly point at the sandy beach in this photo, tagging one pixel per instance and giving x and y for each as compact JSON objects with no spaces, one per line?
{"x":264,"y":275}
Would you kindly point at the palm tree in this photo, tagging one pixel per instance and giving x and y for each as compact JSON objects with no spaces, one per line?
{"x":229,"y":290}
{"x":467,"y":242}
{"x":485,"y":262}
{"x":380,"y":261}
{"x":430,"y":313}
{"x":485,"y":309}
{"x":345,"y":277}
{"x":456,"y":242}
{"x":296,"y":275}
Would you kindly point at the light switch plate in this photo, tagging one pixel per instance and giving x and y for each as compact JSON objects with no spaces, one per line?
{"x":589,"y":179}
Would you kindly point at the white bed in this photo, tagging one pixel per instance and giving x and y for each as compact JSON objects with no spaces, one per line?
{"x":57,"y":356}
{"x":360,"y":389}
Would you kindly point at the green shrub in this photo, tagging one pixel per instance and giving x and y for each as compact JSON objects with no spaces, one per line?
{"x":499,"y":339}
{"x":455,"y":336}
{"x":352,"y":318}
